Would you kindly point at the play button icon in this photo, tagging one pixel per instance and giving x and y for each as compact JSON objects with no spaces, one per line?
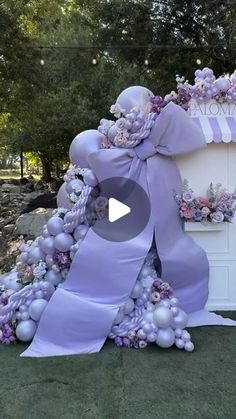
{"x":118,"y":209}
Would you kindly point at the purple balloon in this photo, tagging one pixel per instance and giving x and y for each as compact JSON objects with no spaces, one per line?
{"x":36,"y":254}
{"x":63,"y":200}
{"x":83,"y":144}
{"x":80,"y":232}
{"x":53,"y":277}
{"x":63,"y":242}
{"x":48,"y":246}
{"x":55,"y":225}
{"x":135,"y":96}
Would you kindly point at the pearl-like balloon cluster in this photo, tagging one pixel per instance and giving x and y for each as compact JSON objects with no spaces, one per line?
{"x":151,"y":316}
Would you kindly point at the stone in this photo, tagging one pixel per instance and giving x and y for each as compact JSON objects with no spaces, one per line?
{"x":31,"y":224}
{"x":39,"y":185}
{"x":8,"y":229}
{"x":8,"y":187}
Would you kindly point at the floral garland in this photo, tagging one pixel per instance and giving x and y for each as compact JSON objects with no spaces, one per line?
{"x":218,"y":206}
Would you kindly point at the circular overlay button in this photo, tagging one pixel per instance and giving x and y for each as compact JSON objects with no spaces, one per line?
{"x":118,"y":209}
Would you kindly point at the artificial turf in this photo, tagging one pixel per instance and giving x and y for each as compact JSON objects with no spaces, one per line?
{"x":120,"y":383}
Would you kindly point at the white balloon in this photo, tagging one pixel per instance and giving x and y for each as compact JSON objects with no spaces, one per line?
{"x":137,"y":290}
{"x":179,"y":343}
{"x":25,"y":330}
{"x":165,"y":337}
{"x":162,"y":317}
{"x":141,"y":334}
{"x":55,"y":225}
{"x":24,"y":257}
{"x":147,"y":328}
{"x":148,"y":316}
{"x":49,"y":261}
{"x":222,"y":84}
{"x":189,"y":346}
{"x":178,"y":332}
{"x":185,"y":336}
{"x":36,"y":308}
{"x":145,"y":271}
{"x":128,"y":306}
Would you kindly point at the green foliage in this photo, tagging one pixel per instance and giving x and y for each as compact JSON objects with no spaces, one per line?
{"x":49,"y":89}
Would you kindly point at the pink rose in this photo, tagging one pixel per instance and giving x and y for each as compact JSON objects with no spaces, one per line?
{"x":202,"y":202}
{"x":205,"y":211}
{"x":187,"y":213}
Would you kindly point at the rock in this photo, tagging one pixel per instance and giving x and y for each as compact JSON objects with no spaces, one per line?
{"x":30,"y":224}
{"x":23,"y":181}
{"x":36,"y":200}
{"x":39,"y":185}
{"x":28,"y":187}
{"x":8,"y":187}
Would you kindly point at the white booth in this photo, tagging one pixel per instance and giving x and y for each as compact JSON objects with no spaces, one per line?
{"x":217,"y":164}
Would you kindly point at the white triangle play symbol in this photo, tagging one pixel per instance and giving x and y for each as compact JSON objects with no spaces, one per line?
{"x":116,"y":210}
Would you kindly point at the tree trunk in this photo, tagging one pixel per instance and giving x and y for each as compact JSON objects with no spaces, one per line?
{"x":21,"y":165}
{"x":47,"y":167}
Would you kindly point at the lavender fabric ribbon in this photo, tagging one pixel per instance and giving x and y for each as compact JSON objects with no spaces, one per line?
{"x":80,"y":314}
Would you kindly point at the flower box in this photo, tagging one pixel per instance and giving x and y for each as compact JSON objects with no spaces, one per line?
{"x":197,"y":226}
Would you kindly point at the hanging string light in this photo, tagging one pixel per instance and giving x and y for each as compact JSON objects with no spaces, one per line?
{"x":146,"y":62}
{"x":94,"y":61}
{"x":198,"y":61}
{"x":42,"y":62}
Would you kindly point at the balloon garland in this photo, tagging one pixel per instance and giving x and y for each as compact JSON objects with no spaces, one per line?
{"x":151,"y":313}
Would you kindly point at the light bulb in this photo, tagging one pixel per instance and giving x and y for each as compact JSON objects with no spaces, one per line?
{"x":198,"y":61}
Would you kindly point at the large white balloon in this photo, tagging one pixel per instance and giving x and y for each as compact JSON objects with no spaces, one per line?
{"x":165,"y":337}
{"x":222,"y":84}
{"x":25,"y":330}
{"x":36,"y":308}
{"x":63,"y":200}
{"x":55,"y":225}
{"x":135,"y":96}
{"x":83,"y":144}
{"x":162,"y":317}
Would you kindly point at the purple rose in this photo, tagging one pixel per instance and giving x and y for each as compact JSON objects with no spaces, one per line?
{"x":217,"y":217}
{"x":197,"y":215}
{"x":127,"y":342}
{"x":118,"y":341}
{"x":142,"y":344}
{"x":188,"y":196}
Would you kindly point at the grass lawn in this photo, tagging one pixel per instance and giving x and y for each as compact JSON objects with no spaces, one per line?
{"x":120,"y":383}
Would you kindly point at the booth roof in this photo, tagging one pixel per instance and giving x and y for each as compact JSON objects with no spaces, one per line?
{"x":217,"y":129}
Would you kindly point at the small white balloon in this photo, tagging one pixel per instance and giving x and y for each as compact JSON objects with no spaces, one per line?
{"x":141,"y":334}
{"x":36,"y":308}
{"x":148,"y":316}
{"x":147,"y":328}
{"x":49,"y":261}
{"x":222,"y":84}
{"x":25,"y":330}
{"x":23,"y":308}
{"x":119,"y":317}
{"x":80,"y":232}
{"x":137,"y":290}
{"x":152,"y":337}
{"x":162,"y":317}
{"x":145,"y":271}
{"x":38,"y":294}
{"x":175,"y":311}
{"x":24,"y":257}
{"x":178,"y":332}
{"x":174,"y":301}
{"x":128,"y":306}
{"x":185,"y":336}
{"x":179,"y":343}
{"x":90,"y":178}
{"x":165,"y":337}
{"x":55,"y":225}
{"x":25,"y":316}
{"x":63,"y":242}
{"x":189,"y":346}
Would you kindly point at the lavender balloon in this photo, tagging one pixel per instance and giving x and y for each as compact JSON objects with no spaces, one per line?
{"x":80,"y":232}
{"x":63,"y":200}
{"x":63,"y":242}
{"x":53,"y":277}
{"x":36,"y":308}
{"x":135,"y":96}
{"x":83,"y":144}
{"x":36,"y":254}
{"x":165,"y":337}
{"x":55,"y":225}
{"x":162,"y":317}
{"x":25,"y":330}
{"x":48,"y":246}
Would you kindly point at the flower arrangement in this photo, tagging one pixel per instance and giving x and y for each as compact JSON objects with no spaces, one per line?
{"x":218,"y":206}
